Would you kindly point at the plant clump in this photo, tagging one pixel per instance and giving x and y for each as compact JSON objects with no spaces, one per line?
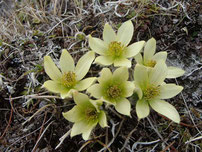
{"x":114,"y":87}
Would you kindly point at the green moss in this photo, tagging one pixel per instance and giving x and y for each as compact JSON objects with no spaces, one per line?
{"x":131,"y":15}
{"x":37,"y":33}
{"x":80,"y":37}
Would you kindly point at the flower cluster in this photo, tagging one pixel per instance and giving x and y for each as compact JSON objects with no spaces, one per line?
{"x":114,"y":85}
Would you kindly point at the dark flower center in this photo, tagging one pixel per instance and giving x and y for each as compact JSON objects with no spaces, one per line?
{"x":113,"y":91}
{"x":91,"y":114}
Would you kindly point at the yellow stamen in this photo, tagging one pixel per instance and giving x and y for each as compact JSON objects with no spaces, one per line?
{"x":114,"y":91}
{"x":116,"y":49}
{"x":151,"y":92}
{"x":69,"y":79}
{"x":150,"y":63}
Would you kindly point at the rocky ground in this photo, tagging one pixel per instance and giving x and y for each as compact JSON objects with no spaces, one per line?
{"x":30,"y":117}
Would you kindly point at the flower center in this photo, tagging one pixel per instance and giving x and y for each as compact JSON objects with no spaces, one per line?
{"x":114,"y":91}
{"x":91,"y":114}
{"x":116,"y":49}
{"x":151,"y":92}
{"x":69,"y":79}
{"x":150,"y":63}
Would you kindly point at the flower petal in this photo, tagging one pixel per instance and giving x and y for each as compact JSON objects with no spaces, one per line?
{"x":78,"y":128}
{"x":108,"y":34}
{"x":81,"y":99}
{"x":138,"y":91}
{"x":169,"y":90}
{"x":141,"y":76}
{"x":84,"y":84}
{"x":174,"y":72}
{"x":129,"y":86}
{"x":158,"y":74}
{"x":97,"y":104}
{"x":95,"y":91}
{"x":121,"y":74}
{"x":160,"y":56}
{"x":165,"y":109}
{"x":55,"y":87}
{"x":105,"y":75}
{"x":102,"y":119}
{"x":104,"y":60}
{"x":123,"y":106}
{"x":125,"y":33}
{"x":97,"y":45}
{"x":149,"y":49}
{"x":73,"y":115}
{"x":134,"y":49}
{"x":142,"y":109}
{"x":66,"y":62}
{"x":138,"y":58}
{"x":84,"y":64}
{"x":67,"y":94}
{"x":122,"y":62}
{"x":86,"y":133}
{"x":51,"y":70}
{"x":108,"y":101}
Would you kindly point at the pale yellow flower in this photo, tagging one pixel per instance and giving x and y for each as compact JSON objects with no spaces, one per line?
{"x":114,"y":89}
{"x":85,"y":115}
{"x":114,"y":47}
{"x":152,"y":90}
{"x":150,"y":59}
{"x":70,"y":77}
